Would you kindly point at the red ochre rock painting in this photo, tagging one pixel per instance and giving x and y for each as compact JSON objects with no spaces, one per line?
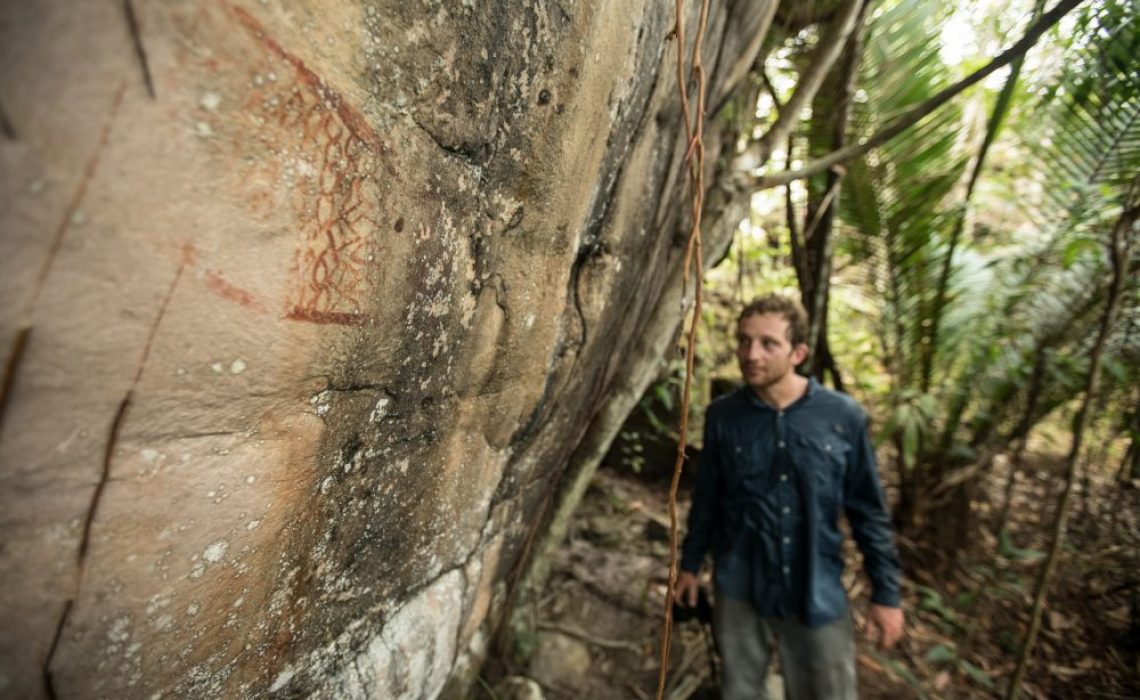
{"x":329,"y":157}
{"x":219,"y":285}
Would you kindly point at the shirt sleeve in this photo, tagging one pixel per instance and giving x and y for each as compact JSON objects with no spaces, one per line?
{"x":706,"y":503}
{"x":870,"y":523}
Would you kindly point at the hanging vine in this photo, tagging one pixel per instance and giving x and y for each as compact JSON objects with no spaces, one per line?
{"x":695,"y":160}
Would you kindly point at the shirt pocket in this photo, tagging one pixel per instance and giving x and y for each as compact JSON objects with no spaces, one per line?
{"x":825,"y":460}
{"x":746,"y":461}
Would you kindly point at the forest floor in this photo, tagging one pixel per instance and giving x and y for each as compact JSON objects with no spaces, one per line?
{"x":600,"y":619}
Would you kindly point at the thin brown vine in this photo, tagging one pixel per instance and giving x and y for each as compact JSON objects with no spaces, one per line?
{"x":695,"y":158}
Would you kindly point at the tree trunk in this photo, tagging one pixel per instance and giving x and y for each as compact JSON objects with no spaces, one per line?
{"x":812,"y":250}
{"x":307,"y":312}
{"x":1130,"y":464}
{"x":1021,"y":433}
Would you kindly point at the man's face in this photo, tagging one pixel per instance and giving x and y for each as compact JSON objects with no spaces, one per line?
{"x":765,"y":354}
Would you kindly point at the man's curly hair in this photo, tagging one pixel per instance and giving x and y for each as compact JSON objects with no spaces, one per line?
{"x":791,"y":309}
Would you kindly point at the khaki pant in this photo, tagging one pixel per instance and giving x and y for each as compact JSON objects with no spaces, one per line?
{"x":817,"y":663}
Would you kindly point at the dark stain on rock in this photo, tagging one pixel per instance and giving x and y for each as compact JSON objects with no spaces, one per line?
{"x":6,"y":127}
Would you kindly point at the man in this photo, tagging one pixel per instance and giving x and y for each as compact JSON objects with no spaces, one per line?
{"x":782,"y":457}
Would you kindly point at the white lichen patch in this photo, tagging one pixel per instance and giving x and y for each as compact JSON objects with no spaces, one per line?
{"x":237,"y":366}
{"x":439,"y":344}
{"x":355,"y":463}
{"x":320,"y":402}
{"x":215,"y":551}
{"x":380,"y":410}
{"x":282,"y":679}
{"x":156,"y":603}
{"x":210,"y":101}
{"x":217,"y":367}
{"x":119,"y":631}
{"x":410,"y":658}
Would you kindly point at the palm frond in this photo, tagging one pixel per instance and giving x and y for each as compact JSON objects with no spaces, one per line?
{"x":895,"y":206}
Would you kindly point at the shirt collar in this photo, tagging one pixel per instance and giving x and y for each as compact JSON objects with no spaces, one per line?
{"x":812,"y":386}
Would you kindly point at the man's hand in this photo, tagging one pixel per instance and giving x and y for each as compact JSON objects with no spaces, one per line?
{"x":889,"y":623}
{"x":685,"y":590}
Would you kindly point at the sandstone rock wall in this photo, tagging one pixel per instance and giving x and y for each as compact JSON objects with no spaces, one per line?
{"x":306,"y":307}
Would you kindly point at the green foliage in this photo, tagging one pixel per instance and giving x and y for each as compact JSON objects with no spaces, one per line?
{"x":977,"y":675}
{"x":1007,"y":549}
{"x":895,"y":205}
{"x":1016,"y":292}
{"x":944,"y":309}
{"x":932,"y":601}
{"x":901,"y":671}
{"x":897,"y":209}
{"x":941,"y":654}
{"x":912,"y":419}
{"x":1082,"y":134}
{"x":632,"y":450}
{"x":486,"y":688}
{"x":661,"y":402}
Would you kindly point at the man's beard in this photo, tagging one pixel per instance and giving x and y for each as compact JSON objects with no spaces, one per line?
{"x":769,"y":379}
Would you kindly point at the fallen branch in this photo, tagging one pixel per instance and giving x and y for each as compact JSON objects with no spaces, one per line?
{"x":615,"y":644}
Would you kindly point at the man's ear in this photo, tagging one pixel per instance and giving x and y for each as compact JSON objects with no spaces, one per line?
{"x":799,"y":354}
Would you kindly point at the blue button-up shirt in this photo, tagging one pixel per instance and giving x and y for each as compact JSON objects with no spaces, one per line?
{"x":769,"y":492}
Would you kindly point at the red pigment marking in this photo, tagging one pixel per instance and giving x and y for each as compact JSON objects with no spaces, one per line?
{"x":342,"y":319}
{"x":226,"y":290}
{"x":336,"y":203}
{"x":351,"y":118}
{"x":189,"y":254}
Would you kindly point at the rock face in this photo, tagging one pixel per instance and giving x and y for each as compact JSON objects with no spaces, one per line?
{"x":305,"y":310}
